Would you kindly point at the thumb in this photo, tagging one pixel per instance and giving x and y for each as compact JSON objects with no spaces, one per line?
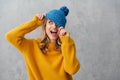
{"x":60,"y":28}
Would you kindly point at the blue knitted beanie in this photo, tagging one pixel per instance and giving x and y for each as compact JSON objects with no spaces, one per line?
{"x":58,"y":16}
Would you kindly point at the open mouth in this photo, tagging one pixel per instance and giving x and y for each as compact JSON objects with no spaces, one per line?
{"x":54,"y":33}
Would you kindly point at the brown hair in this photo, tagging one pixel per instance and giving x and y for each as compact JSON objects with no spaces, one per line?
{"x":45,"y":40}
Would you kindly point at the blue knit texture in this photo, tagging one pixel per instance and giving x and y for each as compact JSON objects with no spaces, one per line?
{"x":58,"y":16}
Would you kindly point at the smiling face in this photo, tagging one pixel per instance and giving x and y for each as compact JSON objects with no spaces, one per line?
{"x":51,"y":30}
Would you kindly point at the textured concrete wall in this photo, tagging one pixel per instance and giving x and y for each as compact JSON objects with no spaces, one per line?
{"x":94,"y":25}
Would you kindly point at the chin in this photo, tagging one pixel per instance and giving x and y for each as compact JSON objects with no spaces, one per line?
{"x":55,"y":38}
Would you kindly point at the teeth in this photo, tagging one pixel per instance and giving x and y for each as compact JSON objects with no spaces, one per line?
{"x":53,"y":31}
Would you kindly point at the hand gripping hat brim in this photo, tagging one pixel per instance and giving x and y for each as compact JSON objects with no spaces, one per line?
{"x":58,"y":16}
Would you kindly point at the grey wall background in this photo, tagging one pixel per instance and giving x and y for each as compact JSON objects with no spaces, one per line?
{"x":94,"y":25}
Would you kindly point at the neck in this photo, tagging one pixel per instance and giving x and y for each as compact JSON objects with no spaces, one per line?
{"x":52,"y":41}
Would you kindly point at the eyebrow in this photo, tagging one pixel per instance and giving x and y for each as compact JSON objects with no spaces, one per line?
{"x":50,"y":20}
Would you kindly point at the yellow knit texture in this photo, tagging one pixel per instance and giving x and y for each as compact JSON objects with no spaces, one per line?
{"x":51,"y":65}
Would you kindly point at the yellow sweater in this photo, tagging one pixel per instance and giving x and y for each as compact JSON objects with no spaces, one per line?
{"x":52,"y":65}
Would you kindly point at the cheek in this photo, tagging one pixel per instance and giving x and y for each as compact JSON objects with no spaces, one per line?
{"x":47,"y":30}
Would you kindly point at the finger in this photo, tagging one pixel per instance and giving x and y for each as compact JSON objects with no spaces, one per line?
{"x":63,"y":32}
{"x":40,"y":16}
{"x":44,"y":14}
{"x":60,"y":28}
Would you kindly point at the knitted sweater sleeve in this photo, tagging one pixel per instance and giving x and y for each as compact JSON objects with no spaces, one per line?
{"x":16,"y":35}
{"x":71,"y":64}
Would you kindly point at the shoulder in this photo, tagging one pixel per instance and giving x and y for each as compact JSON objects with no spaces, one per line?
{"x":32,"y":40}
{"x":38,"y":40}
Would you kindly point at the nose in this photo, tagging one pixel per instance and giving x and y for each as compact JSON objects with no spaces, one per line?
{"x":54,"y":25}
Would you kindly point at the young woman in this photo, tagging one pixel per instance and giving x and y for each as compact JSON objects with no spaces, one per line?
{"x":52,"y":57}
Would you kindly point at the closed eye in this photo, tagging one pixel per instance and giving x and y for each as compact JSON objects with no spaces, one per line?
{"x":50,"y":22}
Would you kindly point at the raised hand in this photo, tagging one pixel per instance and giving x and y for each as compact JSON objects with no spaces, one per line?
{"x":41,"y":16}
{"x":63,"y":32}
